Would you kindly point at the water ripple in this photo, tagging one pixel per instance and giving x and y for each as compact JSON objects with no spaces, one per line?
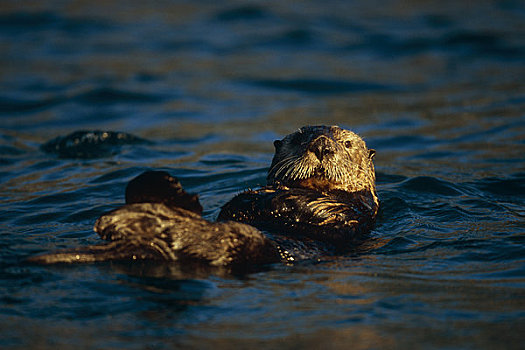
{"x":430,"y":185}
{"x":320,"y":86}
{"x":434,"y":87}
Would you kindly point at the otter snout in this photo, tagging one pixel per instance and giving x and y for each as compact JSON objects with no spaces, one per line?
{"x":322,"y":147}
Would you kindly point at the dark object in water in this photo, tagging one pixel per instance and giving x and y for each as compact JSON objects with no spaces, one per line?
{"x":168,"y":227}
{"x":161,"y":187}
{"x":90,"y":144}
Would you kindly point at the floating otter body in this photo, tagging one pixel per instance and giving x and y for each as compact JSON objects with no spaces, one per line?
{"x":320,"y":199}
{"x":321,"y":186}
{"x":160,"y":221}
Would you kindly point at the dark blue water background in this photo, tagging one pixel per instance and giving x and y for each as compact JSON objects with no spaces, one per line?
{"x":436,"y":87}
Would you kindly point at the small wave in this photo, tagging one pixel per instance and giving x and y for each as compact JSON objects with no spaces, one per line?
{"x":29,"y":22}
{"x":96,"y":96}
{"x":513,"y":186}
{"x":119,"y":174}
{"x":427,"y":184}
{"x":383,"y":178}
{"x":13,"y":105}
{"x":458,"y":254}
{"x":111,"y":95}
{"x":320,"y":86}
{"x":403,"y":142}
{"x":463,"y":43}
{"x":248,"y":12}
{"x":397,"y":245}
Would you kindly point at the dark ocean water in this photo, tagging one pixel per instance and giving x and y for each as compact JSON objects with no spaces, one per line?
{"x":436,"y":87}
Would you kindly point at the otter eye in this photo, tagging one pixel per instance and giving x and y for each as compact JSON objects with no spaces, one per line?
{"x":348,"y":144}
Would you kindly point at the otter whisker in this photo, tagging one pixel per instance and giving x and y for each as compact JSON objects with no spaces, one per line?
{"x":302,"y":170}
{"x":281,"y":166}
{"x":291,"y":172}
{"x":288,"y":167}
{"x":276,"y":167}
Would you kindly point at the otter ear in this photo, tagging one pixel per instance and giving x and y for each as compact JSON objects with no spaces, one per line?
{"x":371,"y":153}
{"x":277,"y":144}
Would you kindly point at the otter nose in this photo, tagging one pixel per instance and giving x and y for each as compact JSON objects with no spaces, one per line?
{"x":321,"y":147}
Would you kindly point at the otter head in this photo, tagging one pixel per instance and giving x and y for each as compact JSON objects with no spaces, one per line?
{"x":160,"y":187}
{"x":323,"y":158}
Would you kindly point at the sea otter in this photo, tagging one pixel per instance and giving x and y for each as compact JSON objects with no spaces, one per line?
{"x":320,"y":186}
{"x":320,"y":198}
{"x":161,"y":221}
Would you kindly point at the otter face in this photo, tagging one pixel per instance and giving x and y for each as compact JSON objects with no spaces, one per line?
{"x":323,"y":158}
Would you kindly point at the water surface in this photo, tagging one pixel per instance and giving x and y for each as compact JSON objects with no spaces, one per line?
{"x":437,"y":88}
